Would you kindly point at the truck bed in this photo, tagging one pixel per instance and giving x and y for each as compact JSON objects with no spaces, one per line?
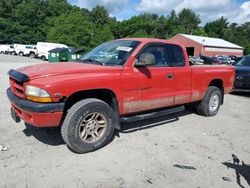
{"x":203,"y":74}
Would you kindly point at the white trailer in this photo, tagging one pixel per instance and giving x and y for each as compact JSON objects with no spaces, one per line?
{"x":43,"y":49}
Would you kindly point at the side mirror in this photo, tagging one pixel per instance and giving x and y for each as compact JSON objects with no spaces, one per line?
{"x":138,"y":63}
{"x":145,"y":59}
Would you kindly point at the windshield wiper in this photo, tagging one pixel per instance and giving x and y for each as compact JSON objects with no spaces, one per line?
{"x":92,"y":61}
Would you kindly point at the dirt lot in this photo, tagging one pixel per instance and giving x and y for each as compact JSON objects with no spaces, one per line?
{"x":183,"y":150}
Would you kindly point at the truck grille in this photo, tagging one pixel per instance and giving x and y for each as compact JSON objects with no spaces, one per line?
{"x":16,"y":82}
{"x":246,"y":79}
{"x":17,"y":88}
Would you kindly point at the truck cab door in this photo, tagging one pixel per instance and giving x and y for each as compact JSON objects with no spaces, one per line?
{"x":152,"y":83}
{"x":182,"y":74}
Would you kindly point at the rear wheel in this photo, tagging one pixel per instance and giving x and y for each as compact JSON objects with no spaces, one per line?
{"x":88,"y":125}
{"x":43,"y":58}
{"x":21,"y":54}
{"x":210,"y":104}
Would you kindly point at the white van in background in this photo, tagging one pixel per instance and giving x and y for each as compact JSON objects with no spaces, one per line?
{"x":11,"y":50}
{"x":19,"y":49}
{"x":31,"y":51}
{"x":43,"y":49}
{"x":25,"y":50}
{"x":4,"y":49}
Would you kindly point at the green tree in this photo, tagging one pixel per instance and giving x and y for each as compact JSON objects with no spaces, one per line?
{"x":240,"y":34}
{"x":28,"y":20}
{"x":217,"y":28}
{"x":104,"y":25}
{"x":100,"y":16}
{"x":148,"y":25}
{"x":173,"y":26}
{"x":101,"y":35}
{"x":73,"y":29}
{"x":8,"y":6}
{"x":200,"y":32}
{"x":57,"y":7}
{"x":189,"y":20}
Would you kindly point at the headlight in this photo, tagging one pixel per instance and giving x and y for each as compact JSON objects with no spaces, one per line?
{"x":37,"y":94}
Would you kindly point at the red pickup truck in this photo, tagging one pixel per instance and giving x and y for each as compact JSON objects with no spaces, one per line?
{"x":119,"y":81}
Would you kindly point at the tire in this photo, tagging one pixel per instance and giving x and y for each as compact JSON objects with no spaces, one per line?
{"x":32,"y":55}
{"x":43,"y":58}
{"x":210,"y":104}
{"x":86,"y":119}
{"x":21,"y":54}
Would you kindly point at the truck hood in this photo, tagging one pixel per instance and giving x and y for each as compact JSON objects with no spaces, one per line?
{"x":242,"y":70}
{"x":54,"y":69}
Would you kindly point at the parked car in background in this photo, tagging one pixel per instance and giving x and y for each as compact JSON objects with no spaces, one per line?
{"x":233,"y":59}
{"x":242,"y":77}
{"x":236,"y":59}
{"x":11,"y":50}
{"x":31,"y":51}
{"x":207,"y":60}
{"x":196,"y":60}
{"x":225,"y":60}
{"x":239,"y":58}
{"x":4,"y":49}
{"x":217,"y":61}
{"x":43,"y":49}
{"x":25,"y":50}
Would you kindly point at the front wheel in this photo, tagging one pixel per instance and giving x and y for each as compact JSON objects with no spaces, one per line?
{"x":32,"y":55}
{"x":88,"y":125}
{"x":210,"y":104}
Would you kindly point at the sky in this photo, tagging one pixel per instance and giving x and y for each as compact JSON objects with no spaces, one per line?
{"x":234,"y":10}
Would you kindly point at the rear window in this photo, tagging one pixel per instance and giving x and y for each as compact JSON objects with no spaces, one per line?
{"x":175,"y":56}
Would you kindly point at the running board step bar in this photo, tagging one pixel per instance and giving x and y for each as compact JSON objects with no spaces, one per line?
{"x":152,"y":114}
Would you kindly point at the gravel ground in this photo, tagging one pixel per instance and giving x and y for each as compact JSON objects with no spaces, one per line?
{"x":183,"y":150}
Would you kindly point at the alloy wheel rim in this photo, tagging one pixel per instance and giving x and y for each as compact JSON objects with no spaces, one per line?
{"x":214,"y":102}
{"x":92,"y":127}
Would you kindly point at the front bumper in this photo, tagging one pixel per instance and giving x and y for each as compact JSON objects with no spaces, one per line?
{"x":241,"y":90}
{"x":241,"y":86}
{"x":36,"y":114}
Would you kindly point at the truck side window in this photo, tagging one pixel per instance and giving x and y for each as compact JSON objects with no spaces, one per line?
{"x":175,"y":56}
{"x":158,"y":51}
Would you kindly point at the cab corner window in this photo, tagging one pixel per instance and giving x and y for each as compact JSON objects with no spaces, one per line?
{"x":175,"y":56}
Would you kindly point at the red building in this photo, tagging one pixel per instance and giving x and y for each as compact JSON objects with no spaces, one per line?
{"x":207,"y":46}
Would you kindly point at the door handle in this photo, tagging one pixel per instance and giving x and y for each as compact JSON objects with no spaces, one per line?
{"x":170,"y":76}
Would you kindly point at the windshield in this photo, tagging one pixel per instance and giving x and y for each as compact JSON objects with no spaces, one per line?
{"x":244,"y":62}
{"x":111,"y":53}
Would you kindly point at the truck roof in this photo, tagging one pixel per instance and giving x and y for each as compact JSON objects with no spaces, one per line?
{"x":150,"y":40}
